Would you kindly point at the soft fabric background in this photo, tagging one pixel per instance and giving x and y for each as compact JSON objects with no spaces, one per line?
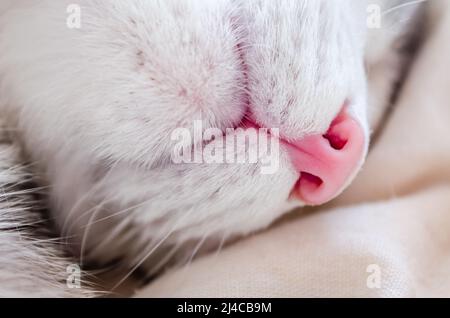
{"x":395,"y":217}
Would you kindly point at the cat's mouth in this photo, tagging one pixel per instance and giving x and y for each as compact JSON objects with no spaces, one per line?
{"x":325,"y":163}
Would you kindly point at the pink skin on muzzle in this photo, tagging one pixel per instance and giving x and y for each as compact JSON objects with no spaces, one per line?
{"x":324,"y":162}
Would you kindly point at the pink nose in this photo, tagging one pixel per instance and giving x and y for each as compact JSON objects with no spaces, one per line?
{"x":326,"y":162}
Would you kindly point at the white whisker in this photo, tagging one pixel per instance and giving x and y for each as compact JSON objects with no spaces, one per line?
{"x":403,"y":5}
{"x":152,"y":250}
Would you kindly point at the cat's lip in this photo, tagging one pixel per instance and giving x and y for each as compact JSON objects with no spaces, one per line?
{"x":325,"y":163}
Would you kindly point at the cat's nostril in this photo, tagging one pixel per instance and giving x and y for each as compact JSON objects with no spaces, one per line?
{"x":326,"y":162}
{"x":309,"y":180}
{"x":335,"y":135}
{"x":336,"y":141}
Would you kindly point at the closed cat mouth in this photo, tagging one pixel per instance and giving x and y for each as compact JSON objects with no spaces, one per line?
{"x":325,"y":163}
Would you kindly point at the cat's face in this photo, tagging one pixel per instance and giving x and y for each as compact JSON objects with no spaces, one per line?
{"x":99,"y":105}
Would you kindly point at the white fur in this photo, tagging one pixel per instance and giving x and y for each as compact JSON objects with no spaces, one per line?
{"x":95,"y":108}
{"x":32,"y":263}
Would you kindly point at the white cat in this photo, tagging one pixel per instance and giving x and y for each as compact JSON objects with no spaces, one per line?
{"x":94,"y":106}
